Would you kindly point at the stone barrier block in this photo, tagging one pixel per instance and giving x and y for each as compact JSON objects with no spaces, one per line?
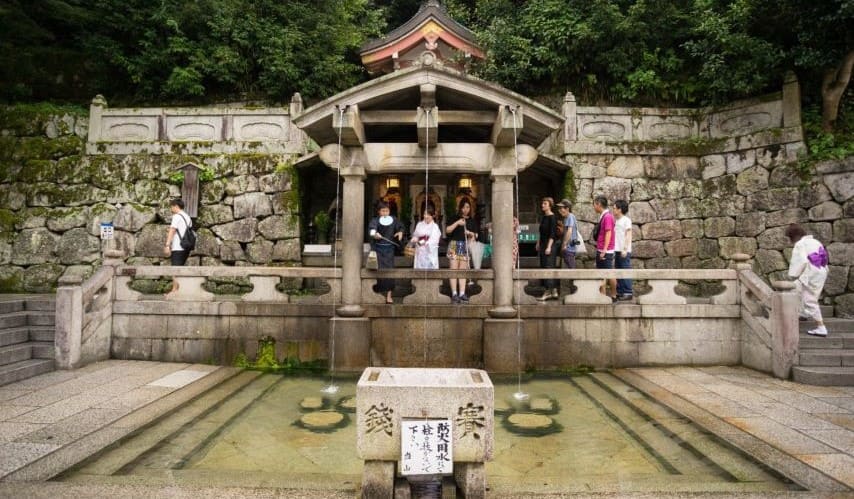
{"x":385,"y":396}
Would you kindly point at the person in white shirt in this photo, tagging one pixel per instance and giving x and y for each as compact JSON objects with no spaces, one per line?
{"x":181,"y":222}
{"x":426,"y":240}
{"x":809,"y":267}
{"x":623,"y":247}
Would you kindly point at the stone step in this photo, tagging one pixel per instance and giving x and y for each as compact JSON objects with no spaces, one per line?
{"x":10,"y":306}
{"x":133,"y":449}
{"x":829,"y":358}
{"x":832,"y":340}
{"x":42,"y":333}
{"x":14,"y":319}
{"x":43,"y":318}
{"x":738,"y":466}
{"x":24,"y":369}
{"x":824,"y":376}
{"x":14,"y":335}
{"x":15,"y":353}
{"x":41,"y":303}
{"x":43,"y":350}
{"x":833,"y":325}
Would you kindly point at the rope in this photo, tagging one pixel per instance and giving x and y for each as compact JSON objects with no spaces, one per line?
{"x":426,"y":203}
{"x":518,"y":262}
{"x":335,"y":249}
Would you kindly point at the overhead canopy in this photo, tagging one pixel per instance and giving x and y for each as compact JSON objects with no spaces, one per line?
{"x":468,"y":109}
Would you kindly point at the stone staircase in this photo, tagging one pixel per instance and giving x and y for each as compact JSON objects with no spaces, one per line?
{"x":827,"y":361}
{"x":27,"y":327}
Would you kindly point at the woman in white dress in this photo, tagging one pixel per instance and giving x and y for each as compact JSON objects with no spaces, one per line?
{"x":426,"y":240}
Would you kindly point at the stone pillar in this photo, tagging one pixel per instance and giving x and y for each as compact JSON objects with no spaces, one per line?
{"x":570,"y":110}
{"x":352,"y":240}
{"x":791,"y":100}
{"x":502,"y":246}
{"x":69,"y":322}
{"x":96,"y":112}
{"x":784,"y":328}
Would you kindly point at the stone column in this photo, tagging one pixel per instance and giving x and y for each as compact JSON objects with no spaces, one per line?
{"x":785,"y":331}
{"x":502,"y":245}
{"x":69,"y":322}
{"x":352,"y":240}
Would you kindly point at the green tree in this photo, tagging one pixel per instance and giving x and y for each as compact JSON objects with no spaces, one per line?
{"x":817,"y":39}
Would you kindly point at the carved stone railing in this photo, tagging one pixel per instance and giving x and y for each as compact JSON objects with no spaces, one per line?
{"x":264,"y":281}
{"x":193,"y":130}
{"x":662,"y":282}
{"x":770,"y":339}
{"x":428,"y":285}
{"x":83,"y":313}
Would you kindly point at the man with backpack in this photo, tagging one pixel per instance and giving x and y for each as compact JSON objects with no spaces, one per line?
{"x":180,"y":231}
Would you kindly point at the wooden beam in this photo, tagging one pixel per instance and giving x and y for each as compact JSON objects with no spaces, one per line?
{"x":456,"y":117}
{"x":428,"y":126}
{"x":350,"y":125}
{"x":507,"y":124}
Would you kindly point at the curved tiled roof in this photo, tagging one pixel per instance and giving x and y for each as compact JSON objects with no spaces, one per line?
{"x":430,"y":8}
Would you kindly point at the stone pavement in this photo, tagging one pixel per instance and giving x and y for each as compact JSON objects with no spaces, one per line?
{"x":806,"y":431}
{"x":53,"y":420}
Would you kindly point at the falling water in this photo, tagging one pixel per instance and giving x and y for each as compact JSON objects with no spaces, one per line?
{"x":332,"y":388}
{"x":519,"y":395}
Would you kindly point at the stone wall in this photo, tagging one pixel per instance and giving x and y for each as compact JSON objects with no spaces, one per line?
{"x":703,"y":185}
{"x":54,"y":196}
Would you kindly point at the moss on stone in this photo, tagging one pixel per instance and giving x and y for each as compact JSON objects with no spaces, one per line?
{"x":228,"y":285}
{"x":11,"y":284}
{"x":694,"y":146}
{"x":31,"y":119}
{"x":38,"y":170}
{"x":8,"y":219}
{"x":45,"y":148}
{"x":151,"y":286}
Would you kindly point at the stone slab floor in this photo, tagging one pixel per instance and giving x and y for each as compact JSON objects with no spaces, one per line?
{"x":52,"y":421}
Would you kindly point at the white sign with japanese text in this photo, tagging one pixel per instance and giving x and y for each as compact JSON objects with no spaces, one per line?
{"x":106,"y":230}
{"x":426,"y":447}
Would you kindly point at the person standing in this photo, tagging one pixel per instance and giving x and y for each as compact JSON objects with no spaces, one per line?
{"x":570,"y":233}
{"x":384,"y":229}
{"x":426,"y":240}
{"x":808,"y":267}
{"x":546,"y":247}
{"x":623,"y":247}
{"x":179,"y":226}
{"x":605,"y":243}
{"x":460,"y":230}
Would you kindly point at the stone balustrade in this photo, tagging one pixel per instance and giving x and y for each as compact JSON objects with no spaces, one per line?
{"x":84,"y":319}
{"x":193,"y":130}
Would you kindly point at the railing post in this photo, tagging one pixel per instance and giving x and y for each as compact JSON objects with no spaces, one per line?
{"x":784,"y":328}
{"x":69,"y":322}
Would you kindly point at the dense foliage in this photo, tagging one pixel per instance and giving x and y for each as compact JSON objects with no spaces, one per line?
{"x":647,"y":52}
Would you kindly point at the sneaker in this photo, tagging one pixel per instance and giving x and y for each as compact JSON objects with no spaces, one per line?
{"x":624,"y":297}
{"x":614,"y":299}
{"x":819,"y":331}
{"x":455,"y":299}
{"x":464,"y":297}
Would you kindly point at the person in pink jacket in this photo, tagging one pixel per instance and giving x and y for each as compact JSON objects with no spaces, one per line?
{"x":808,"y":267}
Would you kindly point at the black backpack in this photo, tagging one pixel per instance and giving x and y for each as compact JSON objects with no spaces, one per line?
{"x":188,"y":238}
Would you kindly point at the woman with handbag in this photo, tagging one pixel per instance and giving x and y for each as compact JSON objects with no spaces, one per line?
{"x":383,"y":229}
{"x":426,"y":240}
{"x":460,"y":230}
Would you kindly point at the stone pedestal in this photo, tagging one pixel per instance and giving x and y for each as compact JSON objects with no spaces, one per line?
{"x":471,"y":480}
{"x":349,"y":343}
{"x":386,"y":397}
{"x":502,"y":341}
